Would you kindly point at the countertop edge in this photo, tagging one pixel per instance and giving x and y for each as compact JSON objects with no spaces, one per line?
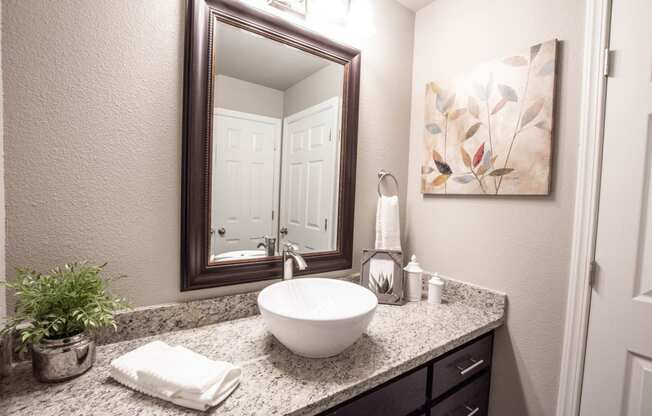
{"x":468,"y":313}
{"x":368,"y":384}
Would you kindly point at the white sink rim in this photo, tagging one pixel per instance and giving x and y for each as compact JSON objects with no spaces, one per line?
{"x":370,"y":298}
{"x":238,"y":255}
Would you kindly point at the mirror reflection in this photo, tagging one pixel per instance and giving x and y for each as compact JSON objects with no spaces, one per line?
{"x":275,"y":147}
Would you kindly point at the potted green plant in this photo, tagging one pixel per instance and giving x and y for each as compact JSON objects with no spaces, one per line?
{"x":54,"y":314}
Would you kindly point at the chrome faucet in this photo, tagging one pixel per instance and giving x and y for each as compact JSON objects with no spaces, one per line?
{"x":291,"y":256}
{"x":269,"y":244}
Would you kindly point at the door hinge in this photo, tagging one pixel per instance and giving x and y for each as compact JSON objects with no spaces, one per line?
{"x":607,"y":63}
{"x":592,"y":269}
{"x":272,"y":215}
{"x":325,"y":224}
{"x":330,"y":135}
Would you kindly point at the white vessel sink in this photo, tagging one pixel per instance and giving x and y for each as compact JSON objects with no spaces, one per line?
{"x":238,"y":255}
{"x":314,"y":317}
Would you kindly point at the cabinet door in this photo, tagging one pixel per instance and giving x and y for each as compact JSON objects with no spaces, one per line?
{"x":470,"y":400}
{"x":398,"y":398}
{"x":461,"y":365}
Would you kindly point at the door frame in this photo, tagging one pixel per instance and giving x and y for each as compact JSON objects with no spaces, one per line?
{"x":589,"y":169}
{"x":278,"y":124}
{"x":330,"y":102}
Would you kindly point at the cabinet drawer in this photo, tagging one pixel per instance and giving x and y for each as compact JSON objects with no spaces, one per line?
{"x":470,"y":400}
{"x":397,"y":398}
{"x":461,"y":365}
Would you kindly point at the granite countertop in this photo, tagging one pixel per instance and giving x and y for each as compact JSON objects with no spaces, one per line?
{"x":274,"y":382}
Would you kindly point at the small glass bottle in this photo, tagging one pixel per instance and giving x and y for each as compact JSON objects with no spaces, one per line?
{"x":414,"y":280}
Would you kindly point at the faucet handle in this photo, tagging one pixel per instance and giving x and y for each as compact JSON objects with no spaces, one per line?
{"x":266,"y":238}
{"x":290,"y":248}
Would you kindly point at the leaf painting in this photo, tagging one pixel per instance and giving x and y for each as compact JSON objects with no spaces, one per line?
{"x":457,"y":113}
{"x":486,"y":160}
{"x":449,"y":103}
{"x":474,"y":108}
{"x":480,"y":92}
{"x":441,"y":102}
{"x":508,"y":93}
{"x":534,"y":51}
{"x":501,"y":172}
{"x":489,"y":131}
{"x":516,"y":61}
{"x":464,"y":178}
{"x":465,"y":157}
{"x":532,"y":111}
{"x":436,"y":157}
{"x":433,"y":128}
{"x":440,"y":180}
{"x":443,"y":168}
{"x":472,"y":131}
{"x":547,"y":69}
{"x":499,"y":106}
{"x":542,"y":125}
{"x":478,"y":155}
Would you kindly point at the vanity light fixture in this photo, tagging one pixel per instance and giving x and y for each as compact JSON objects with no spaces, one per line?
{"x":298,"y":7}
{"x":335,"y":11}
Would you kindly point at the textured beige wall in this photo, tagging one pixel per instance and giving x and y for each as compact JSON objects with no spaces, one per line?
{"x":93,"y":102}
{"x":317,"y":88}
{"x":238,"y":95}
{"x":519,"y":245}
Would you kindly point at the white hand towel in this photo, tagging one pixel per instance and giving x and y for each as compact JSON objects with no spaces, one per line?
{"x":186,"y":371}
{"x":388,"y":228}
{"x":165,"y":372}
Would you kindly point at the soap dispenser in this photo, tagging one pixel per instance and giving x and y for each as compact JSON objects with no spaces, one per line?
{"x":435,"y":289}
{"x":414,"y":280}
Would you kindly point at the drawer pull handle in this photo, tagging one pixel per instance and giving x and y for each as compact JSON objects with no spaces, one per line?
{"x":472,"y":411}
{"x":471,"y":367}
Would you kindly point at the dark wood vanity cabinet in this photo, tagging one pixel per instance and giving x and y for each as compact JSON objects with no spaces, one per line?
{"x":455,"y":384}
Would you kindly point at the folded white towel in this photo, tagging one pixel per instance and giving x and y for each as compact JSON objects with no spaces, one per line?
{"x":388,"y":228}
{"x":176,"y":374}
{"x":186,"y":371}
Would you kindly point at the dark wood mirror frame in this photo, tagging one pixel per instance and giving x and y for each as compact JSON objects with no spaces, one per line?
{"x":196,"y":271}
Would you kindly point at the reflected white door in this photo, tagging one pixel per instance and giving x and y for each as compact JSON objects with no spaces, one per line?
{"x":618,"y":366}
{"x":244,"y":157}
{"x":310,"y":177}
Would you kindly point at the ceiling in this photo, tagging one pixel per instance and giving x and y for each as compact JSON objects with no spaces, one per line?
{"x":415,"y":4}
{"x":249,"y":57}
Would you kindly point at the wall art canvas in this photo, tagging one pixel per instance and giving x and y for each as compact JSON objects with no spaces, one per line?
{"x":489,"y":132}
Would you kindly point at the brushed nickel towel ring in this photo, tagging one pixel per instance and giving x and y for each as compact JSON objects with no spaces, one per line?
{"x":381,"y":175}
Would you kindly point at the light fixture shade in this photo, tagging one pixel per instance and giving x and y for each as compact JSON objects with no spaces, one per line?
{"x":299,"y":7}
{"x":335,"y":11}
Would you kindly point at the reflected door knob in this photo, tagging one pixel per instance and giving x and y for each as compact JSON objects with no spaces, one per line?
{"x":221,"y":231}
{"x":283,"y":230}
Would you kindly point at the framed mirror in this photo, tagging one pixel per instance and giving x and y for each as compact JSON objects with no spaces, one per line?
{"x":269,"y":146}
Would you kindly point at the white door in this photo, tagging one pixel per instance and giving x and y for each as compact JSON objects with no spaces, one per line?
{"x":310,"y":177}
{"x":618,"y":366}
{"x":244,"y":172}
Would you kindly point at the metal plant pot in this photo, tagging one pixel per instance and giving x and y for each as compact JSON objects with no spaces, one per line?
{"x":55,"y":360}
